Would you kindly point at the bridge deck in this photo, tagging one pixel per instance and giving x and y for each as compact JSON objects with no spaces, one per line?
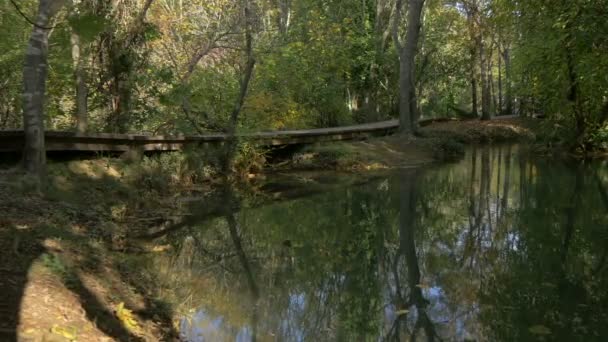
{"x":12,"y":141}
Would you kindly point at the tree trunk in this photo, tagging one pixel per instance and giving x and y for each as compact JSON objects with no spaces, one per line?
{"x":474,"y":104}
{"x":81,"y":86}
{"x":471,"y":9}
{"x":500,"y":103}
{"x":185,"y":81}
{"x":494,"y":101}
{"x":573,"y":97}
{"x":34,"y":88}
{"x":381,"y":35}
{"x":121,"y":64}
{"x":234,"y":116}
{"x":508,"y":95}
{"x":408,"y":106}
{"x":485,"y":86}
{"x":284,"y":16}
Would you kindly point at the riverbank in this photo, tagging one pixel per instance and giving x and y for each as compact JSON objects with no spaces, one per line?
{"x":65,"y":266}
{"x":437,"y":142}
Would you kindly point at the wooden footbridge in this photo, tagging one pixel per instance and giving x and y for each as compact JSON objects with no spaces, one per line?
{"x":13,"y":141}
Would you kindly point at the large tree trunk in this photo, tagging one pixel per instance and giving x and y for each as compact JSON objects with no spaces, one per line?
{"x":408,"y":106}
{"x":81,"y":86}
{"x":34,"y":88}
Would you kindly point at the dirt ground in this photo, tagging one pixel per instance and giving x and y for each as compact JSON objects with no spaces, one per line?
{"x":58,"y":278}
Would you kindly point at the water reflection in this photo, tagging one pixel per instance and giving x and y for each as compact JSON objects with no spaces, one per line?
{"x":497,"y":247}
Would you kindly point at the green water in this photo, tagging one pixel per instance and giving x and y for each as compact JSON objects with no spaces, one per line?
{"x":497,"y":247}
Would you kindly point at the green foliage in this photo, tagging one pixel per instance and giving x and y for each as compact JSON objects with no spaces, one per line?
{"x":558,"y":60}
{"x":599,"y":137}
{"x":88,"y":26}
{"x":329,"y":63}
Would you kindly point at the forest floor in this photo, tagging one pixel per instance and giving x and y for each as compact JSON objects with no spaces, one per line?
{"x":64,"y":251}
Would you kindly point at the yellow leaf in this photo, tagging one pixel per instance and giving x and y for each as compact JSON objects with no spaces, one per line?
{"x":69,"y":333}
{"x":126,"y":317}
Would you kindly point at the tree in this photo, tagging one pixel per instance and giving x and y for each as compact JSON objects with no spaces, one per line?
{"x":248,"y":22}
{"x":479,"y":57}
{"x":80,"y":83}
{"x":34,"y":87}
{"x":408,"y":105}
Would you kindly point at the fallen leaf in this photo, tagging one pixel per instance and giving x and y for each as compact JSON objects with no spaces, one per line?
{"x":126,"y":317}
{"x":67,"y":332}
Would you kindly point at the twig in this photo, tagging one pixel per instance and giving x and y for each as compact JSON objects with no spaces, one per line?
{"x":28,"y":19}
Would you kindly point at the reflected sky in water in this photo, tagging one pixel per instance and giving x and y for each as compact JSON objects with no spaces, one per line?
{"x":496,"y":247}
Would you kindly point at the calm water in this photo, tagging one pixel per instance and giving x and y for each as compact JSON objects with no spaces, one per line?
{"x":497,"y":247}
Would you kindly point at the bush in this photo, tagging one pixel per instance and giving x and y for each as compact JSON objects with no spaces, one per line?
{"x":169,"y":169}
{"x":249,"y":158}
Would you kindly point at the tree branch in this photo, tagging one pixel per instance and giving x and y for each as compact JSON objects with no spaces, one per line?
{"x":30,"y":20}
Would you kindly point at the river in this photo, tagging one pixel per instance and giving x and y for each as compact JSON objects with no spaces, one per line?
{"x":499,"y":246}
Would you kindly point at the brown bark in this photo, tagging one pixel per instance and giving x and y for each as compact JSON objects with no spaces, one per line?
{"x":34,"y":88}
{"x":408,"y":106}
